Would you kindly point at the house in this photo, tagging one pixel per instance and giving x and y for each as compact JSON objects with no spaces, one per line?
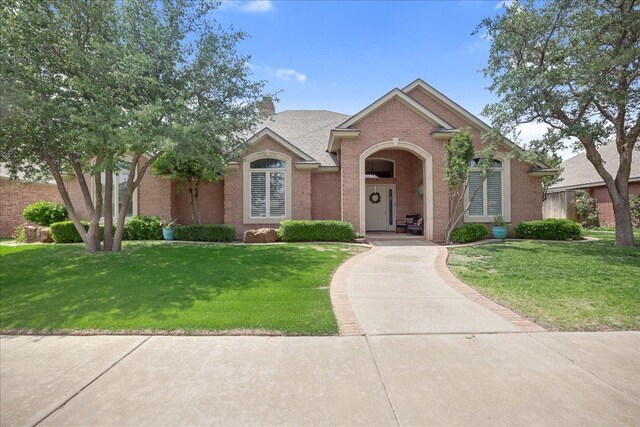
{"x":371,"y":169}
{"x":578,"y":173}
{"x":15,"y":195}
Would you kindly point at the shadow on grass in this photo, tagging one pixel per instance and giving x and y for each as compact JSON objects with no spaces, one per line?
{"x":47,"y":287}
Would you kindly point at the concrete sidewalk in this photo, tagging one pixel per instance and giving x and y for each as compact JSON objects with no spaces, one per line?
{"x":398,"y":290}
{"x":482,"y":379}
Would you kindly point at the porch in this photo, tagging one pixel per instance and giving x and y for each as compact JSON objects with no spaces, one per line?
{"x":393,"y":190}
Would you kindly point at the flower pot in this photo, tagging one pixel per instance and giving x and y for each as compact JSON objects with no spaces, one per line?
{"x":499,"y":232}
{"x":167,"y":233}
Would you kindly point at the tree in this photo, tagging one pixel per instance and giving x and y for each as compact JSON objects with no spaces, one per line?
{"x":460,"y":153}
{"x":90,"y":86}
{"x":574,"y":66}
{"x":190,"y":172}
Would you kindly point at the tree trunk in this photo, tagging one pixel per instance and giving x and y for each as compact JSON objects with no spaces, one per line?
{"x":93,"y":234}
{"x":108,"y":210}
{"x":196,"y":202}
{"x":624,"y":225}
{"x":135,"y":176}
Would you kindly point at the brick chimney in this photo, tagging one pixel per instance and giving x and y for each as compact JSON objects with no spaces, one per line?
{"x":268,"y":107}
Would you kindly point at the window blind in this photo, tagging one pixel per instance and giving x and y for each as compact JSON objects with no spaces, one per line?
{"x":477,"y":204}
{"x":276,"y":194}
{"x":258,"y":194}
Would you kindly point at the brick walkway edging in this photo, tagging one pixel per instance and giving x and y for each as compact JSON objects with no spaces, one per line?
{"x":347,"y":321}
{"x":470,"y":293}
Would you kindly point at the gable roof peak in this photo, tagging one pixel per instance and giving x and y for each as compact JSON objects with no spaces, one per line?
{"x":402,"y":97}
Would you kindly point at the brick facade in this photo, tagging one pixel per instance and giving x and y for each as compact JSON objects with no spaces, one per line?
{"x":15,"y":196}
{"x":322,"y":194}
{"x":605,"y":205}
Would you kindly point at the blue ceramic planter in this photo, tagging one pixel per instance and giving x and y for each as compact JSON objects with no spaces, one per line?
{"x":499,"y":232}
{"x":167,"y":233}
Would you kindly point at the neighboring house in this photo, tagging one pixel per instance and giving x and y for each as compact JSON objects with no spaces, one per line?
{"x":370,"y":169}
{"x":578,"y":173}
{"x":15,"y":195}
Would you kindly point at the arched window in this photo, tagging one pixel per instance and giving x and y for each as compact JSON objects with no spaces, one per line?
{"x":488,"y":199}
{"x":268,"y":188}
{"x":379,"y":168}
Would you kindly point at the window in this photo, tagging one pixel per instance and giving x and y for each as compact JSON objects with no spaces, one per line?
{"x":119,"y":190}
{"x":379,"y":168}
{"x":488,"y":200}
{"x":267,"y":193}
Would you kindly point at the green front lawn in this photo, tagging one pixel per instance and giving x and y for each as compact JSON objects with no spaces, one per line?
{"x":585,"y":286}
{"x":170,"y":287}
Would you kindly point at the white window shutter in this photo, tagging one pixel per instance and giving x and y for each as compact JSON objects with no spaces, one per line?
{"x":494,"y":193}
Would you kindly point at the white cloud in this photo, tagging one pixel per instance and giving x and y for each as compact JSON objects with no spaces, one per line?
{"x":257,"y":6}
{"x":504,"y":4}
{"x":288,"y":74}
{"x":251,"y":6}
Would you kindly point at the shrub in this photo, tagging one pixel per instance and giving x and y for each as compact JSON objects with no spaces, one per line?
{"x":65,"y":232}
{"x":549,"y":229}
{"x":205,"y":233}
{"x":634,"y":202}
{"x":469,"y":233}
{"x":44,"y":213}
{"x":587,"y":209}
{"x":143,"y":228}
{"x":315,"y":231}
{"x":19,"y":234}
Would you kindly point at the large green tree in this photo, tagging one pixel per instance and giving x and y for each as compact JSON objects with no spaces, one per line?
{"x":575,"y":66}
{"x":88,"y":86}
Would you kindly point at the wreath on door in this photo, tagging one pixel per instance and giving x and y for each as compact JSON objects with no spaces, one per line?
{"x":375,"y":197}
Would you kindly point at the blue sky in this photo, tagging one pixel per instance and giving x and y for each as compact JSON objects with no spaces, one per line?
{"x":343,"y":55}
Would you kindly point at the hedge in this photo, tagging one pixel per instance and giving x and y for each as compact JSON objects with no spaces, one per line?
{"x":469,"y":233}
{"x":315,"y":231}
{"x":549,"y":229}
{"x":143,"y":228}
{"x":205,"y":233}
{"x":44,"y":213}
{"x":65,"y":232}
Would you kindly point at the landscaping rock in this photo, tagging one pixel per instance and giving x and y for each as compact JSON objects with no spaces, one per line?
{"x":37,"y":234}
{"x":261,"y":235}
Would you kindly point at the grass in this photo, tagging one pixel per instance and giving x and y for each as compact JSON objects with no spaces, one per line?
{"x":585,"y":286}
{"x":170,"y":287}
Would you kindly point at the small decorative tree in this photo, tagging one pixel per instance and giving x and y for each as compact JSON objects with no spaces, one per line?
{"x":460,"y":153}
{"x":189,"y":172}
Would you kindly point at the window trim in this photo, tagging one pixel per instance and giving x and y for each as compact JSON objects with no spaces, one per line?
{"x":116,"y":190}
{"x":506,"y":193}
{"x":246,"y":187}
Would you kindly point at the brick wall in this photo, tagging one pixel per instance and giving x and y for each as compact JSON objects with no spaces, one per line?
{"x":211,"y":201}
{"x":325,"y":195}
{"x":15,"y":196}
{"x":601,"y":194}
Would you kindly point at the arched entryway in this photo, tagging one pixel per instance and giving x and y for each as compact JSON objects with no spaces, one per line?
{"x":390,"y":189}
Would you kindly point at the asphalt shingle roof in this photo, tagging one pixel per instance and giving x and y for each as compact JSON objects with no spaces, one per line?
{"x":579,"y":172}
{"x":308,"y":130}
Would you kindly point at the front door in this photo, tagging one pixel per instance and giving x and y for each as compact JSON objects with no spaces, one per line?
{"x":380,"y":207}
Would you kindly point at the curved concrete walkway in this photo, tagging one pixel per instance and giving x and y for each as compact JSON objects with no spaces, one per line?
{"x":405,"y":288}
